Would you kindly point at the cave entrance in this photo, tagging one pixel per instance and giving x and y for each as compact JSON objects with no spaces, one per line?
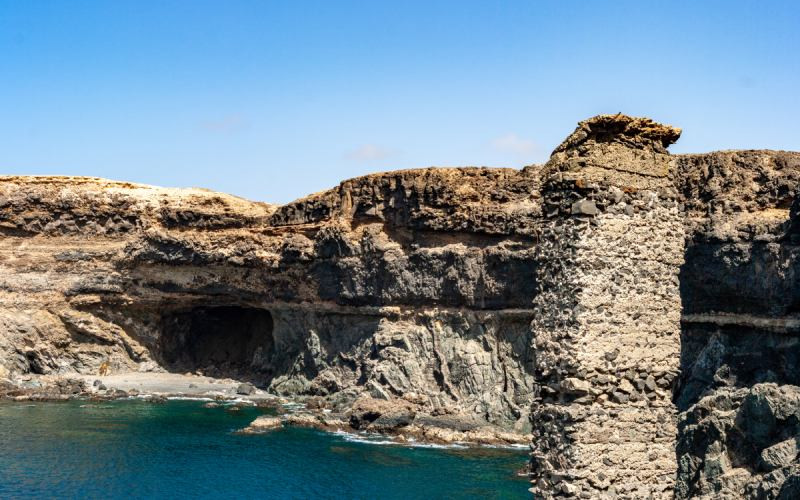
{"x":225,"y":341}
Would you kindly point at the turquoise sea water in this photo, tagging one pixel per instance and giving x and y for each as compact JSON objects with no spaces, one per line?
{"x":137,"y":449}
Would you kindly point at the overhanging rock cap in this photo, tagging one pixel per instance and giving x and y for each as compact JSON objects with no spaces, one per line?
{"x":615,"y":149}
{"x":630,"y":131}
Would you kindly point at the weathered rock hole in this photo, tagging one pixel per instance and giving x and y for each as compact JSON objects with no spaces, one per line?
{"x":225,"y":341}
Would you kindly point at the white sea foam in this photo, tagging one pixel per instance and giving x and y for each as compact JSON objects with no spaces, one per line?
{"x":366,"y":438}
{"x":508,"y":446}
{"x":452,"y":446}
{"x":237,"y":401}
{"x":380,"y":442}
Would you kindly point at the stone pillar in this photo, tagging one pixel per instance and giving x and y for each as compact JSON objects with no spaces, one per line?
{"x":607,"y":314}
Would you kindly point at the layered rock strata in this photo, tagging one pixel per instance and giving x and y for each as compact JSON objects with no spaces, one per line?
{"x":411,"y":284}
{"x":634,"y":310}
{"x":738,"y":392}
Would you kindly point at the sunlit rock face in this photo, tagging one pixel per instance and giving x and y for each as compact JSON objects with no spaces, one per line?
{"x":635,"y":311}
{"x":607,"y":328}
{"x":410,"y":284}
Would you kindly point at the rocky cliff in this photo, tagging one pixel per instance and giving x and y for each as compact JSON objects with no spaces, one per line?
{"x":409,"y":285}
{"x":738,"y":393}
{"x":635,"y":311}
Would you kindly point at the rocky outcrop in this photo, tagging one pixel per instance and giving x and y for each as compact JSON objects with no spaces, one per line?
{"x":741,"y":443}
{"x":739,"y":336}
{"x":406,"y":283}
{"x":607,"y":328}
{"x":634,"y":310}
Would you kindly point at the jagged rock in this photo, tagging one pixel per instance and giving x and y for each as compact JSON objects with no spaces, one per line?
{"x":575,"y":386}
{"x":392,"y":422}
{"x":738,"y":426}
{"x":625,"y":387}
{"x":584,"y":207}
{"x":380,"y":414}
{"x":779,"y":455}
{"x":262,"y":424}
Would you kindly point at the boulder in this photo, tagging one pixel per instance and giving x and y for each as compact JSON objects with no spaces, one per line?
{"x":584,"y":207}
{"x":382,"y":413}
{"x":303,"y":420}
{"x":246,"y":389}
{"x":392,"y":421}
{"x":575,"y":386}
{"x":262,"y":424}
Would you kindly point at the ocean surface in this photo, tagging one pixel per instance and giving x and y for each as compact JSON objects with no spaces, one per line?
{"x":138,"y":449}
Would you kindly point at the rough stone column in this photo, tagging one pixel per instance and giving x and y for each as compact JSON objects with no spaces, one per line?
{"x":607,"y":325}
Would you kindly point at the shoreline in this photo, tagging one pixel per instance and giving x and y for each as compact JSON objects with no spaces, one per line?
{"x":367,"y":419}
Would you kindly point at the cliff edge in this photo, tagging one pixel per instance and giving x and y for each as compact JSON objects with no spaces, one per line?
{"x":630,"y":313}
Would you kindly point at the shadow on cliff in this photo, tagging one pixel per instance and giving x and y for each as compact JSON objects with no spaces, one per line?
{"x":738,"y":328}
{"x":218,"y":341}
{"x":226,"y":339}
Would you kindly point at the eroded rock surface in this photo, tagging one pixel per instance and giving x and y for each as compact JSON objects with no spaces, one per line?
{"x":406,"y":283}
{"x":607,"y":328}
{"x":636,"y":311}
{"x":738,"y":392}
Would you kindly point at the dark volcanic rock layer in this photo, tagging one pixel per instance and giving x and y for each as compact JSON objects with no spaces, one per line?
{"x":739,"y":334}
{"x":408,"y":284}
{"x":636,"y":311}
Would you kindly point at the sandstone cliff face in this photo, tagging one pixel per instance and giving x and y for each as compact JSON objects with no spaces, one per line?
{"x":634,"y":310}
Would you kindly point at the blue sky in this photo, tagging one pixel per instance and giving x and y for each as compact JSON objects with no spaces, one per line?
{"x":275,"y":100}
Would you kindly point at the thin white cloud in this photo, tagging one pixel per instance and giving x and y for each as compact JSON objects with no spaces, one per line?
{"x":512,"y":143}
{"x":228,"y":123}
{"x":369,"y":152}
